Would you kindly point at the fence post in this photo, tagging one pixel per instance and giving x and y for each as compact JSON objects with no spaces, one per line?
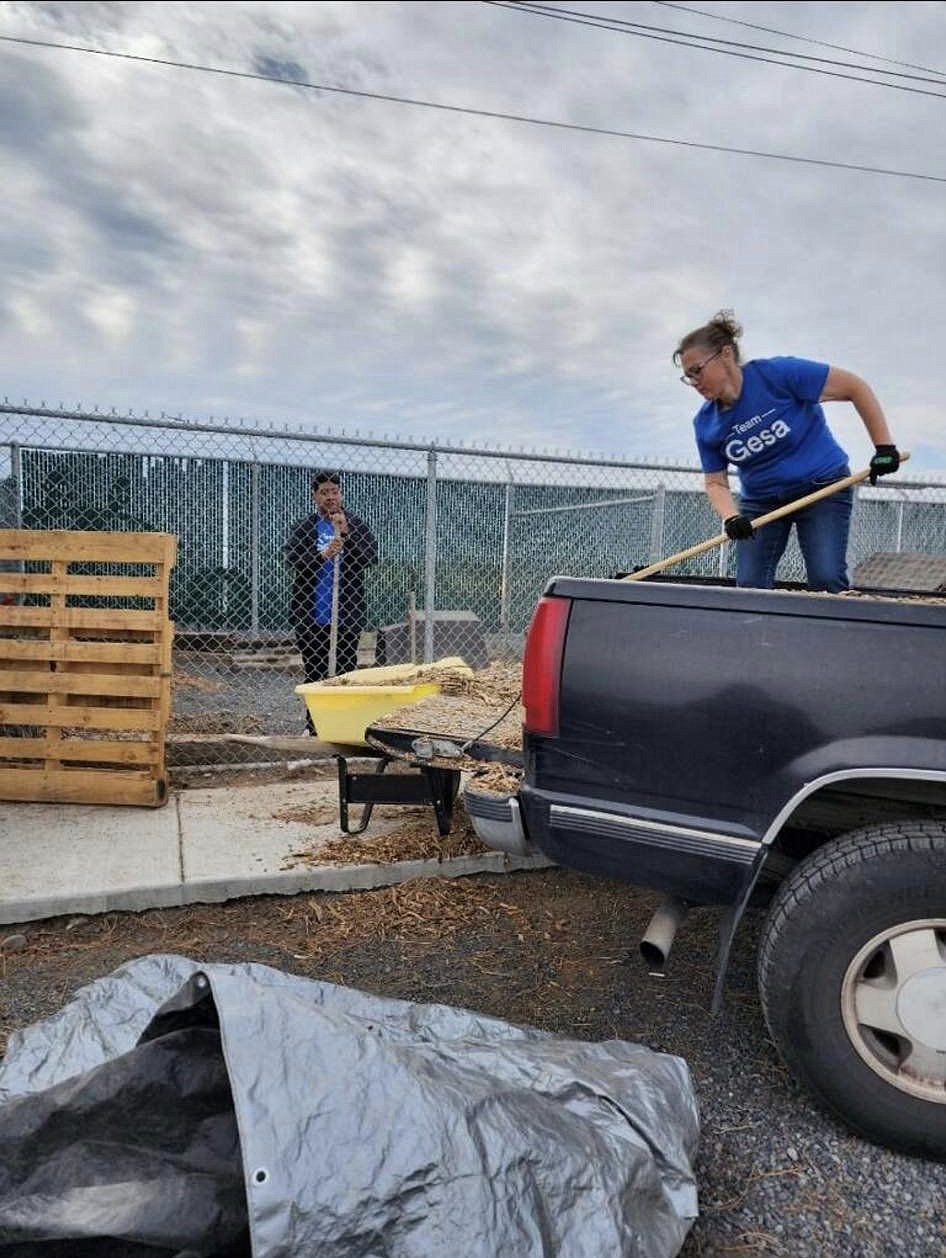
{"x":657,"y":525}
{"x":254,"y":547}
{"x":16,"y":478}
{"x":504,"y":591}
{"x":430,"y":557}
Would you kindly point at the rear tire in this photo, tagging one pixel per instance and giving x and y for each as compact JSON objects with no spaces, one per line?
{"x":852,"y":978}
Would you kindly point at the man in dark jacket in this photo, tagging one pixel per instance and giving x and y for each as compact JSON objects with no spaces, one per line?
{"x":329,"y":551}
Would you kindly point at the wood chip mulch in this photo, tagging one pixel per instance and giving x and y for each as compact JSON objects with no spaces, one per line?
{"x":215,"y":723}
{"x":181,"y":680}
{"x":500,"y":678}
{"x":314,"y":926}
{"x":484,"y":706}
{"x":935,"y":598}
{"x":495,"y":779}
{"x":427,"y":910}
{"x":416,"y":838}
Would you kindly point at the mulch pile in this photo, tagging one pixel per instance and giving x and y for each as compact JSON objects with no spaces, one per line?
{"x":416,"y":838}
{"x":481,"y":706}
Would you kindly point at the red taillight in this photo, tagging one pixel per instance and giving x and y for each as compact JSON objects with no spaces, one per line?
{"x":542,"y":665}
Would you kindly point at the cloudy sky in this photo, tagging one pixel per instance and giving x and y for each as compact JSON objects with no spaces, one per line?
{"x":230,"y":245}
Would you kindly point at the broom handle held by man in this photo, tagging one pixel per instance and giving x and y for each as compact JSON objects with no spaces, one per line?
{"x":339,"y":522}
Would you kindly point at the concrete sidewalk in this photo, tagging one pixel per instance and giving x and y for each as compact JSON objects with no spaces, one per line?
{"x":204,"y":846}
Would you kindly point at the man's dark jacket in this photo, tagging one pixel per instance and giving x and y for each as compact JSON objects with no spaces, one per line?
{"x":360,"y":551}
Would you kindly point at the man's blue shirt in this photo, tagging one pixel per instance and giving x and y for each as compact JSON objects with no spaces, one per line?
{"x":775,"y":434}
{"x":322,"y":611}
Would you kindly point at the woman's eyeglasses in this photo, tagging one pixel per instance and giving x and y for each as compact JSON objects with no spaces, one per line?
{"x":692,"y":375}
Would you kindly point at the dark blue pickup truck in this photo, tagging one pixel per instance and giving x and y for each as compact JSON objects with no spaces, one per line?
{"x":779,"y":749}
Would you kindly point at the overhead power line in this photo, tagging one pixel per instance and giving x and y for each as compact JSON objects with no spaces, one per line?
{"x":472,"y":111}
{"x":705,"y":43}
{"x":805,"y":39}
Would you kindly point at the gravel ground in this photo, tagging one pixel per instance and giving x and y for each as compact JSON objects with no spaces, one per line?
{"x":210,"y":696}
{"x":556,"y":950}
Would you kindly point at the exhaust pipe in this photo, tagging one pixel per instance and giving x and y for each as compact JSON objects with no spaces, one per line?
{"x":659,"y":936}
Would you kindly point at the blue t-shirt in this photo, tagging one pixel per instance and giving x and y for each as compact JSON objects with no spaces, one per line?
{"x":322,"y":612}
{"x":775,"y":434}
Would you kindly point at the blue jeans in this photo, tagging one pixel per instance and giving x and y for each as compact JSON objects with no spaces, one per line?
{"x":822,"y":536}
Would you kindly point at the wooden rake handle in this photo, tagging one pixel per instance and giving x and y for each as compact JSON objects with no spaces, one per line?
{"x":758,"y":522}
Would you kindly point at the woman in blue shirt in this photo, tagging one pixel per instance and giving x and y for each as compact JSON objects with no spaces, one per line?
{"x":765,"y":418}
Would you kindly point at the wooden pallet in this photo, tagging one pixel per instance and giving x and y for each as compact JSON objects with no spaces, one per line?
{"x":85,"y":666}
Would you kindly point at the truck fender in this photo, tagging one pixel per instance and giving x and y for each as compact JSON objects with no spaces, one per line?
{"x":732,"y":914}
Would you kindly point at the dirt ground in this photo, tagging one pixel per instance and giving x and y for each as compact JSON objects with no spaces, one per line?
{"x":556,"y":950}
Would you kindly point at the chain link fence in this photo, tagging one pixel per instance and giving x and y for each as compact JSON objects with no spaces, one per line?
{"x":467,"y":538}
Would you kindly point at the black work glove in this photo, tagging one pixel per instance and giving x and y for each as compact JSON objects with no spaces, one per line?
{"x":885,"y":461}
{"x":739,"y":528}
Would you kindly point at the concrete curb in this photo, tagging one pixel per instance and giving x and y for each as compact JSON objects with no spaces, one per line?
{"x":330,"y":878}
{"x":89,"y":904}
{"x":358,"y":877}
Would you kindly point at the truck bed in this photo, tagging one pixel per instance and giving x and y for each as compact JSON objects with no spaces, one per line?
{"x":695,"y":721}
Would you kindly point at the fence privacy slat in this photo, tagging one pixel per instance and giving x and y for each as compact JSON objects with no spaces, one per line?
{"x":85,"y":688}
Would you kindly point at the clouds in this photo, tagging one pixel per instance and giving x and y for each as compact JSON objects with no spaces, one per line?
{"x":196,"y":242}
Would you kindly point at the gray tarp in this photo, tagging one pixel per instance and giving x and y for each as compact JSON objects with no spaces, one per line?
{"x":176,"y":1108}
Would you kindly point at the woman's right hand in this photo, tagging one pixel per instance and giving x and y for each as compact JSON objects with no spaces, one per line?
{"x":739,"y":528}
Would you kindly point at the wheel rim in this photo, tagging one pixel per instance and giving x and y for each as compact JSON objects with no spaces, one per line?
{"x":893,"y":1004}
